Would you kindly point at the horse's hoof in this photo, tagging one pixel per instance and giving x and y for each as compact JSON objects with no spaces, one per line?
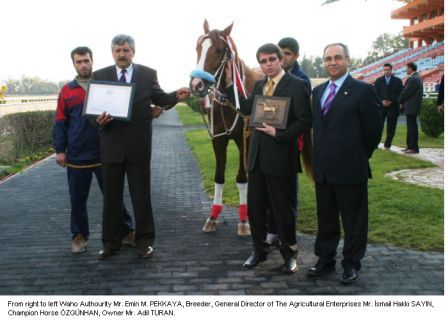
{"x":243,"y":229}
{"x":210,"y":225}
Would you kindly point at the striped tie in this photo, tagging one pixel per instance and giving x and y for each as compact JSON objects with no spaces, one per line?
{"x":122,"y":77}
{"x":329,"y":99}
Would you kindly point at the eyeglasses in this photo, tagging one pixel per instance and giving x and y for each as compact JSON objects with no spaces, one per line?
{"x":336,"y":58}
{"x":269,"y":59}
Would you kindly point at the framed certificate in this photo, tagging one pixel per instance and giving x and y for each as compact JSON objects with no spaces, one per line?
{"x":114,"y":98}
{"x":272,"y":110}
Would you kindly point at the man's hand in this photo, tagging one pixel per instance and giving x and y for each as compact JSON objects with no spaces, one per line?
{"x":440,"y":108}
{"x":267,"y":129}
{"x":61,"y":159}
{"x":182,"y":93}
{"x":386,"y":103}
{"x":156,"y":111}
{"x":103,"y":119}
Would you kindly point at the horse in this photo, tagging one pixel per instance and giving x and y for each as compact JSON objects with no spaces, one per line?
{"x":215,"y":49}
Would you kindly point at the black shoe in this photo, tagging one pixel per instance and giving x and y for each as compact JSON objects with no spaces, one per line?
{"x":106,"y":253}
{"x":322,"y":267}
{"x":290,"y":266}
{"x":254,"y":260}
{"x":349,"y":276}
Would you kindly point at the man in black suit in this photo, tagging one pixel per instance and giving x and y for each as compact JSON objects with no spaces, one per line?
{"x":273,"y":160}
{"x":388,"y":88}
{"x":347,"y":129}
{"x":441,"y":95}
{"x":126,"y":149}
{"x":411,"y":100}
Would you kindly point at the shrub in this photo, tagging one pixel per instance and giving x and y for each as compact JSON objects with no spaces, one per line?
{"x":431,"y":120}
{"x":28,"y":132}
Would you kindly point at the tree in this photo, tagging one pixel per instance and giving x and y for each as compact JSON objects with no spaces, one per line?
{"x":307,"y":66}
{"x":31,"y":86}
{"x":318,"y":67}
{"x":386,"y":44}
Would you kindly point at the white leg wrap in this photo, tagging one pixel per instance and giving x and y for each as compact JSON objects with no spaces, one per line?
{"x":218,"y":194}
{"x":242,"y":188}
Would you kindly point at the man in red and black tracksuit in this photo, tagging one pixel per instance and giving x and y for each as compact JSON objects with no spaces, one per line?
{"x":77,"y":147}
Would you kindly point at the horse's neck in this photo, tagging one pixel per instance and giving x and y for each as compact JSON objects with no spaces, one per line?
{"x":251,"y":77}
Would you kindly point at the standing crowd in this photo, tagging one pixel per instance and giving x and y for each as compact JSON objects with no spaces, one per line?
{"x":347,"y":117}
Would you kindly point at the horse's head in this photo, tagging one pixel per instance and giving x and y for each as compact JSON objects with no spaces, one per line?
{"x":212,"y":54}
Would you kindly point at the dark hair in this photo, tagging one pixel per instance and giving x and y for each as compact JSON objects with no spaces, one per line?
{"x":82,"y":50}
{"x":121,"y":40}
{"x":344,"y":47}
{"x":412,"y":66}
{"x":388,"y":65}
{"x":291,"y":43}
{"x":270,"y":48}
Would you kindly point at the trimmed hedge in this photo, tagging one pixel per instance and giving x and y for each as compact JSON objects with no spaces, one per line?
{"x":431,"y":120}
{"x":25,"y":133}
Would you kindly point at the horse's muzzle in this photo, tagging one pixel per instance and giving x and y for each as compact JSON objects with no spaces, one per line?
{"x":200,"y":82}
{"x":199,"y":87}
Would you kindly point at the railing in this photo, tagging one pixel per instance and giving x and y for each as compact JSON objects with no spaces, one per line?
{"x":10,"y":105}
{"x":27,"y":99}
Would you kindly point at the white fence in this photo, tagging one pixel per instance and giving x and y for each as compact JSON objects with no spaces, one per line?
{"x":10,"y":105}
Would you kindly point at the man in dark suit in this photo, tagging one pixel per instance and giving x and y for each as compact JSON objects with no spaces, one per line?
{"x":411,"y":101}
{"x":274,"y":160}
{"x":347,"y":129}
{"x":126,"y":149}
{"x":388,"y":88}
{"x":441,"y":95}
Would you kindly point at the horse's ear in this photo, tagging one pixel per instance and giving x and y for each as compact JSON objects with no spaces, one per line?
{"x":227,"y":31}
{"x":206,"y":27}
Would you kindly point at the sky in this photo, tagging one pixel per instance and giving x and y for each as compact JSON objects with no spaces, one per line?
{"x":38,"y":36}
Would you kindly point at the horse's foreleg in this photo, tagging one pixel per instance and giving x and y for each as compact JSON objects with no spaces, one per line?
{"x":220,"y":150}
{"x":241,"y":183}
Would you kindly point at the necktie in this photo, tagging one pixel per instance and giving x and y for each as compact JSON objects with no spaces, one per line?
{"x":387,"y":80}
{"x":122,"y":77}
{"x":329,"y":99}
{"x":270,"y":90}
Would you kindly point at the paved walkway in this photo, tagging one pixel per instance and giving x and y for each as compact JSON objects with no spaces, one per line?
{"x":430,"y":177}
{"x":35,"y":255}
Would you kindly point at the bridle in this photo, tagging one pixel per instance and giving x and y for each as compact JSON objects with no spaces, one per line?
{"x":212,"y":94}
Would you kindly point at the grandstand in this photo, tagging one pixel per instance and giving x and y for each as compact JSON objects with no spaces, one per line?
{"x":425,"y":33}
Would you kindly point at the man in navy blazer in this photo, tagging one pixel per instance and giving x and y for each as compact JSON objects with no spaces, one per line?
{"x":389,"y":88}
{"x":347,"y":129}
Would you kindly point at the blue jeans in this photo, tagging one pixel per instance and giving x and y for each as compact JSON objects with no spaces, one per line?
{"x":79,"y":181}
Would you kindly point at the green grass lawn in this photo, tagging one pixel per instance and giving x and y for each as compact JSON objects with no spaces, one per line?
{"x":399,"y":214}
{"x":423,"y":140}
{"x":188,"y":116}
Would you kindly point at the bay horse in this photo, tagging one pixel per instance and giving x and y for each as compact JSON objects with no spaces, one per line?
{"x":215,"y":49}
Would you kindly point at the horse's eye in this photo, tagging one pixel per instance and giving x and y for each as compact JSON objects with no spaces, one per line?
{"x":219,"y":50}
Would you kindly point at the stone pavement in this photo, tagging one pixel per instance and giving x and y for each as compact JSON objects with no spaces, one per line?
{"x":35,"y":255}
{"x":430,"y":177}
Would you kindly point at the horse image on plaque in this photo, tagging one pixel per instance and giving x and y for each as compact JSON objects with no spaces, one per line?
{"x":272,"y":110}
